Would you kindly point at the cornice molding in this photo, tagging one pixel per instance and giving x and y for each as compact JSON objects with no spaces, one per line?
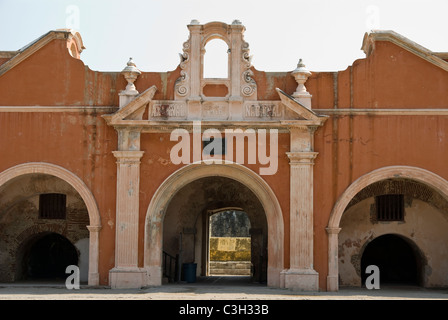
{"x":34,"y":46}
{"x":368,"y":45}
{"x":386,"y":112}
{"x":80,"y":109}
{"x":302,"y":157}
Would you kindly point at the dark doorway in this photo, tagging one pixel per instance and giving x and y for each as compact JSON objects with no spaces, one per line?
{"x":48,"y":256}
{"x":188,"y":227}
{"x":395,"y":258}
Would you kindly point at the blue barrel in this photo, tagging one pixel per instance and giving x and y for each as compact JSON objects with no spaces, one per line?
{"x":190,"y":272}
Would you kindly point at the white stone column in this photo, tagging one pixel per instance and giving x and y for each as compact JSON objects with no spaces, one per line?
{"x":126,"y":273}
{"x":301,"y":274}
{"x":333,"y":277}
{"x":94,"y":277}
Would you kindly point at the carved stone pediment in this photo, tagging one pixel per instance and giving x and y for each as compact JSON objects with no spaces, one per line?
{"x":142,"y":111}
{"x":133,"y":110}
{"x":239,"y":85}
{"x":236,"y":104}
{"x":300,"y":110}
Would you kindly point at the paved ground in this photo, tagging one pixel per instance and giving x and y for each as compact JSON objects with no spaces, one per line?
{"x":210,"y":288}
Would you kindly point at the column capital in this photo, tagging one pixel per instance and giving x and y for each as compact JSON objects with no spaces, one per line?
{"x":333,"y":230}
{"x":94,"y":228}
{"x":128,"y":138}
{"x":302,"y":157}
{"x":128,"y":156}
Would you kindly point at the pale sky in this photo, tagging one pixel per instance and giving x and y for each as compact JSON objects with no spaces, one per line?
{"x":327,"y":35}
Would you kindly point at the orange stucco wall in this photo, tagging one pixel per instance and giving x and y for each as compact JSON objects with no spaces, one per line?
{"x":348,"y":145}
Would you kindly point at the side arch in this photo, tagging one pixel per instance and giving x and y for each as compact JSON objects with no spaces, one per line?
{"x":407,"y":172}
{"x":84,"y":192}
{"x":176,"y":181}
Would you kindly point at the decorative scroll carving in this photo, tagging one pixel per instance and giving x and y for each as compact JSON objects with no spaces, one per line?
{"x":249,"y":86}
{"x":181,"y":85}
{"x":247,"y":59}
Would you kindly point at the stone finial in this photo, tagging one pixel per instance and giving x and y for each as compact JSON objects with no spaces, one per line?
{"x":301,"y":74}
{"x":194,"y":22}
{"x":131,"y":73}
{"x":236,"y":22}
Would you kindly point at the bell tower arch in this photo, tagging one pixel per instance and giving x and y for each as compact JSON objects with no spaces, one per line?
{"x":240,"y":84}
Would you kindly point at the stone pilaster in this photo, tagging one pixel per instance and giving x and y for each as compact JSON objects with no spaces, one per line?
{"x":236,"y":38}
{"x":94,"y":277}
{"x":126,"y":273}
{"x":333,"y":276}
{"x":301,"y":274}
{"x":195,"y":60}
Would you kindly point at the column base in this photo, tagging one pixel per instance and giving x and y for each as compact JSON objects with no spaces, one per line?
{"x":154,"y":277}
{"x":127,"y":278}
{"x":300,"y":279}
{"x":94,"y":279}
{"x":332,"y":283}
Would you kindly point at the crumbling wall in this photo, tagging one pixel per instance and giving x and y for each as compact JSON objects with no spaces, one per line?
{"x":424,"y":224}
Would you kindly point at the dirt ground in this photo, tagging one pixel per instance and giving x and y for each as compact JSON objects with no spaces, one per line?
{"x":210,"y":288}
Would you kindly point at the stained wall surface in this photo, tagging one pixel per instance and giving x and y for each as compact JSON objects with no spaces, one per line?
{"x":350,"y":144}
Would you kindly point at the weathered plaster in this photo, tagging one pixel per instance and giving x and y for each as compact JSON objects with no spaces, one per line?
{"x":424,"y":225}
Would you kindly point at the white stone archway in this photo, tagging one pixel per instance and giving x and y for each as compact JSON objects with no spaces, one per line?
{"x":84,"y":192}
{"x":393,"y":172}
{"x":156,"y":212}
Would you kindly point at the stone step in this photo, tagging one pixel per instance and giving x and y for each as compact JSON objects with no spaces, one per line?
{"x":230,"y":264}
{"x":237,"y":268}
{"x":230,"y":272}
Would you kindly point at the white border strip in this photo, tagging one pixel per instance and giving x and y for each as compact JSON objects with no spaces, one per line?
{"x":345,"y":111}
{"x":384,"y":112}
{"x":109,"y":109}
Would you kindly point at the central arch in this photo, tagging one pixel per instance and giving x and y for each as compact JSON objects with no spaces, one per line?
{"x":157,"y":208}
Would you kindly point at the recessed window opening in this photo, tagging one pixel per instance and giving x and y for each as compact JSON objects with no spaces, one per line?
{"x":390,"y":207}
{"x":216,"y":60}
{"x":52,"y":206}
